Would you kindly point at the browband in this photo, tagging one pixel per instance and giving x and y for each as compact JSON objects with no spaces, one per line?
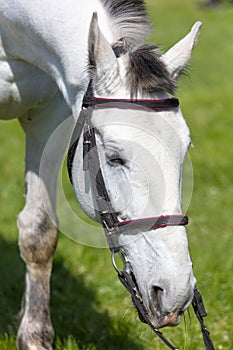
{"x":153,"y":105}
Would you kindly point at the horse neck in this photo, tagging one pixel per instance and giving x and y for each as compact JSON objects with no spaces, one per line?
{"x":54,"y":38}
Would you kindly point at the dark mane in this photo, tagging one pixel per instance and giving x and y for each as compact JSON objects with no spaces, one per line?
{"x":129,"y":20}
{"x":147,"y":74}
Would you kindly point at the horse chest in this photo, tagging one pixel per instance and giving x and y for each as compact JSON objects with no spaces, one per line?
{"x":23,"y":87}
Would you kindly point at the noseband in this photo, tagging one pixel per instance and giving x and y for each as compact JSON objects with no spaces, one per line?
{"x":109,"y":219}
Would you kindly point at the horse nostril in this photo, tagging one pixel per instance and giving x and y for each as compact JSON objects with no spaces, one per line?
{"x":156,"y":294}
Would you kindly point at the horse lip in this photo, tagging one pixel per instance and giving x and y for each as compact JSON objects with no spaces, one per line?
{"x":169,"y":320}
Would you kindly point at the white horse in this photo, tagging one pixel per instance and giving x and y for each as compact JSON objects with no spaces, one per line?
{"x":49,"y":51}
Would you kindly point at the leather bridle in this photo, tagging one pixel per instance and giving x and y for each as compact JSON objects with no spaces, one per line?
{"x":109,"y":219}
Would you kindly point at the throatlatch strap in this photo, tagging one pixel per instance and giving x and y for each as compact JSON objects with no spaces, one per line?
{"x":75,"y":140}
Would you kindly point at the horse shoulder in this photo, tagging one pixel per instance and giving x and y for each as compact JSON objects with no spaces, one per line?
{"x":23,"y":87}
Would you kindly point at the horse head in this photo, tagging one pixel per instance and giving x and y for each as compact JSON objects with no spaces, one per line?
{"x":141,"y":153}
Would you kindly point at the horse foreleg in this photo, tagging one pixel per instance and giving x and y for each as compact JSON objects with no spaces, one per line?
{"x":37,"y":242}
{"x":37,"y":222}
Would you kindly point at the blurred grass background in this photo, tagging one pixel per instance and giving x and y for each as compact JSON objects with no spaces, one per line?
{"x":90,"y":309}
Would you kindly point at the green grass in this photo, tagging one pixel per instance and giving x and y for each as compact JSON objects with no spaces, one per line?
{"x":90,"y":309}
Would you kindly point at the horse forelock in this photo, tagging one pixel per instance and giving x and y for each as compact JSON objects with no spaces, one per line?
{"x":146,"y":72}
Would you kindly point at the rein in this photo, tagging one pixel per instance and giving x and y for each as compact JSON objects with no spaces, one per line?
{"x":111,"y":225}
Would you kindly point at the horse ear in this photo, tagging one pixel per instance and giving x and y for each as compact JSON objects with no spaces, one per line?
{"x":177,"y":58}
{"x":102,"y":60}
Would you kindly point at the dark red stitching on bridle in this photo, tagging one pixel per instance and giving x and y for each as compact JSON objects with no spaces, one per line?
{"x":155,"y":219}
{"x":153,"y":222}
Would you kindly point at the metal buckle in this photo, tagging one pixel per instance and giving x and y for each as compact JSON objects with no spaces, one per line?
{"x":125,"y":262}
{"x":114,"y":263}
{"x":110,"y":230}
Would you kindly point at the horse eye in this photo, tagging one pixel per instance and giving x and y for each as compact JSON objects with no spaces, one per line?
{"x":116,"y":161}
